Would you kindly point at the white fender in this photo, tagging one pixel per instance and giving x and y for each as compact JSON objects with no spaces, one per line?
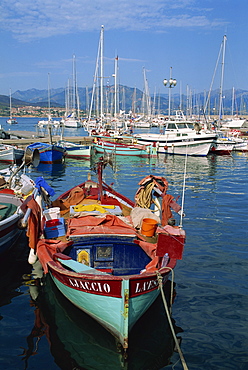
{"x":32,"y":258}
{"x":157,"y":207}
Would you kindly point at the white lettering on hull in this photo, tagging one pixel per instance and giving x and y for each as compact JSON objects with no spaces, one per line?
{"x":91,"y":286}
{"x":146,"y":286}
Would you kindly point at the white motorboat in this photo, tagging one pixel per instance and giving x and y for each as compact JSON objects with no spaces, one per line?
{"x":233,"y":123}
{"x":180,"y":137}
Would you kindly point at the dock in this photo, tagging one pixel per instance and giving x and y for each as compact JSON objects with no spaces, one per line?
{"x":24,"y":138}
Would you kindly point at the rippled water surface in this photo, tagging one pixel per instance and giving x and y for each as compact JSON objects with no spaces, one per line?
{"x":211,"y":281}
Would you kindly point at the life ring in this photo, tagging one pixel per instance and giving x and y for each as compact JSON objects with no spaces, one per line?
{"x":83,"y":257}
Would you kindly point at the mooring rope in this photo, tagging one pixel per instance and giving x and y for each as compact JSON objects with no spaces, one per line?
{"x":144,"y":198}
{"x":160,"y":283}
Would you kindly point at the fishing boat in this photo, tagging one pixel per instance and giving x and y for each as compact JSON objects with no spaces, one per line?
{"x":75,"y":151}
{"x":49,"y":153}
{"x":11,"y":154}
{"x":106,"y":253}
{"x":15,"y":186}
{"x":180,"y":137}
{"x":90,"y":346}
{"x":119,"y":148}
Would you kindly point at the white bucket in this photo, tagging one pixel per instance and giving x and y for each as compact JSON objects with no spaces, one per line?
{"x":27,"y":184}
{"x":52,"y":213}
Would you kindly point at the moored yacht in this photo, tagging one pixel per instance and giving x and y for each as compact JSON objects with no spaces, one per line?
{"x":180,"y":137}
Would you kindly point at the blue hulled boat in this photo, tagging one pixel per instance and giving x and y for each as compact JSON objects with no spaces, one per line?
{"x":49,"y":153}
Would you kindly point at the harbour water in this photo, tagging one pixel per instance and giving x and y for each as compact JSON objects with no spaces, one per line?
{"x":211,"y":280}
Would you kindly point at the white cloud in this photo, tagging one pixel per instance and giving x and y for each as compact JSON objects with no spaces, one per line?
{"x":35,"y":19}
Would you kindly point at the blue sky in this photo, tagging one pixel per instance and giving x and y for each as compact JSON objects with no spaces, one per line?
{"x":40,"y":37}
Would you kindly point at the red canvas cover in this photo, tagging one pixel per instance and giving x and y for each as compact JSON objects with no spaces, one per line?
{"x":46,"y":248}
{"x":109,"y":224}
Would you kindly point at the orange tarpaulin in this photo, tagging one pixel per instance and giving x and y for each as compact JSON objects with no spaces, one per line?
{"x":150,"y":250}
{"x":110,"y":224}
{"x":75,"y":197}
{"x":46,"y":248}
{"x":166,"y":211}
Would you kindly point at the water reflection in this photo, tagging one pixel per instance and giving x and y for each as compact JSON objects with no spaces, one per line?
{"x":55,"y":170}
{"x":14,"y":267}
{"x":78,"y":341}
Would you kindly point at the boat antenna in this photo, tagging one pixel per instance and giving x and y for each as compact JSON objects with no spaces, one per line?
{"x":184,"y":181}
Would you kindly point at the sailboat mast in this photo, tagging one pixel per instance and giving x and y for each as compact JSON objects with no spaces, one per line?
{"x":147,"y":95}
{"x":222,"y":78}
{"x":94,"y":82}
{"x":73,"y":84}
{"x":232,"y":101}
{"x":10,"y":104}
{"x":101,"y":72}
{"x":49,"y":114}
{"x":115,"y":76}
{"x":48,"y":96}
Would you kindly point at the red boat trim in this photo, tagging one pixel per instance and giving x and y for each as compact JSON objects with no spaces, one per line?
{"x":106,"y":285}
{"x":109,"y":286}
{"x":147,"y":283}
{"x":106,"y":188}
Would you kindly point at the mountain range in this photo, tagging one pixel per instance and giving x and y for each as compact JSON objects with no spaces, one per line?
{"x":236,"y":102}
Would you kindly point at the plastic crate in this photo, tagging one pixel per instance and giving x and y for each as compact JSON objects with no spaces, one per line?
{"x":55,"y":230}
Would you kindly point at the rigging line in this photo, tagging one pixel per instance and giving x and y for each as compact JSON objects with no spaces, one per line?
{"x":210,"y":89}
{"x":184,"y":181}
{"x":95,"y":79}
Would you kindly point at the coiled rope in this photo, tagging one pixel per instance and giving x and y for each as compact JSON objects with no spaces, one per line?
{"x":160,"y":283}
{"x":144,"y":198}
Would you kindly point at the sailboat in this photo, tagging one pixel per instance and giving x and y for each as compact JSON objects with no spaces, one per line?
{"x":234,"y":122}
{"x":72,"y":120}
{"x":49,"y":153}
{"x":222,"y":144}
{"x":11,"y":120}
{"x":48,"y":124}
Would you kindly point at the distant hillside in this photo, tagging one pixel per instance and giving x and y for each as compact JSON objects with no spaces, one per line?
{"x":20,"y":101}
{"x":132,"y":99}
{"x":40,"y":97}
{"x":4,"y":102}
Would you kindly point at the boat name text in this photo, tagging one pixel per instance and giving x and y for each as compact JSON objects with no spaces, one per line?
{"x":146,"y":286}
{"x":94,"y":286}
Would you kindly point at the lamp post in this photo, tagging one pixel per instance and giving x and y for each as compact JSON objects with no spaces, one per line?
{"x":171,"y":83}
